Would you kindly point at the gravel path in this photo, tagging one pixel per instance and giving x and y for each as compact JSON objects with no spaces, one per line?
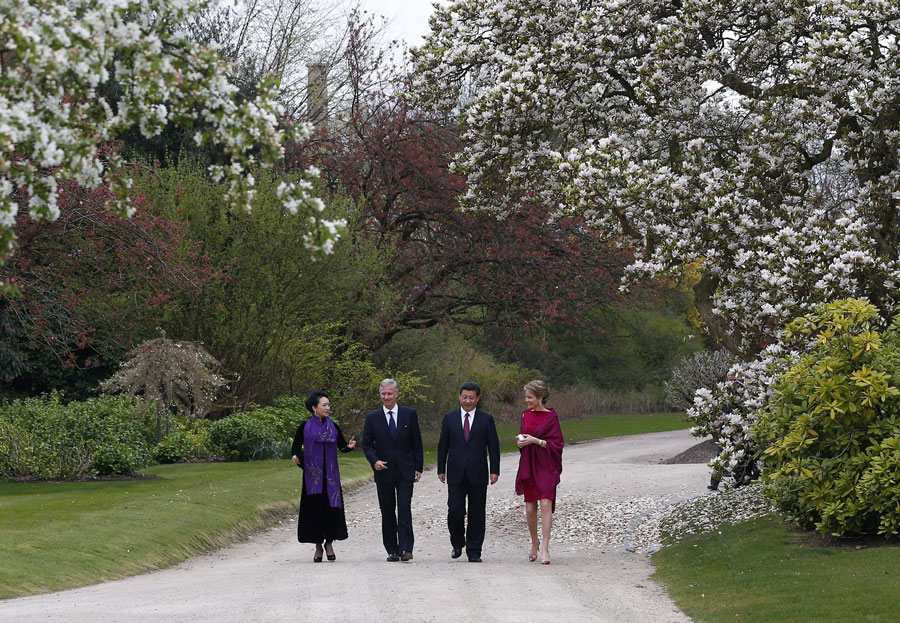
{"x":611,"y":491}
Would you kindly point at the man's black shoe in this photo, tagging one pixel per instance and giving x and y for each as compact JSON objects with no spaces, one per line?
{"x":405,"y":556}
{"x":456,"y":553}
{"x":474,"y":558}
{"x":393,"y":558}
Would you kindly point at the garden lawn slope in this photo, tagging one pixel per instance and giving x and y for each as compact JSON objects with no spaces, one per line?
{"x":56,"y":535}
{"x":763,"y":572}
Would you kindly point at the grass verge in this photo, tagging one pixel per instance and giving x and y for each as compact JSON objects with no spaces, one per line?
{"x":763,"y":572}
{"x":58,"y":535}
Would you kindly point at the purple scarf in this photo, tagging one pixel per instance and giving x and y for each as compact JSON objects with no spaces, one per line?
{"x":320,"y":457}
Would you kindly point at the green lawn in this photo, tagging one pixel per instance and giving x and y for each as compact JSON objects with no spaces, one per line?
{"x":763,"y":572}
{"x":56,"y":535}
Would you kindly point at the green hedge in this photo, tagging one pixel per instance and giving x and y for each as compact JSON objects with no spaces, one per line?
{"x":242,"y":437}
{"x":46,"y":439}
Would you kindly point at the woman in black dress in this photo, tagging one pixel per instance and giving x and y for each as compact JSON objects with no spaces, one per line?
{"x":315,"y":449}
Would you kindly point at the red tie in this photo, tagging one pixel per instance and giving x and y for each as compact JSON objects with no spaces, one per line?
{"x":466,"y":427}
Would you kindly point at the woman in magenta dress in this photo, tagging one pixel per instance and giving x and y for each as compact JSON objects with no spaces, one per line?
{"x":540,"y":444}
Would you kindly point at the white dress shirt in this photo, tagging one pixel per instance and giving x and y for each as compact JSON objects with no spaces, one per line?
{"x":387,"y":418}
{"x":462,"y":418}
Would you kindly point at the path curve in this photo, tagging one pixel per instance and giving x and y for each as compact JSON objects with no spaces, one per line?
{"x":606,"y":484}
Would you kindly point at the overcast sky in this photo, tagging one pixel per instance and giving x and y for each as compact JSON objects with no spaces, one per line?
{"x":408,"y":19}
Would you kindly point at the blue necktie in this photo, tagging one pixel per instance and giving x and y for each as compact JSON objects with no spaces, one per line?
{"x":393,"y":424}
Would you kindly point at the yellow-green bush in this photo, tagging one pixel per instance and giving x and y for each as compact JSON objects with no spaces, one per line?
{"x":832,"y":428}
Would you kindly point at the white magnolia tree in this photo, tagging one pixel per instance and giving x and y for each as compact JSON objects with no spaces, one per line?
{"x":757,"y":139}
{"x":55,"y":55}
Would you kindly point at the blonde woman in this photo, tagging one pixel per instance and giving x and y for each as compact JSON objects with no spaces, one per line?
{"x":540,"y":444}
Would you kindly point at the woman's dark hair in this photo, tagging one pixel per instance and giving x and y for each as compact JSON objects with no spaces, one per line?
{"x":471,"y":386}
{"x":313,"y":399}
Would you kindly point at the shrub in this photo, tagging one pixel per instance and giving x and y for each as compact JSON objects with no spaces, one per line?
{"x":242,"y":437}
{"x":171,"y":374}
{"x":43,"y":438}
{"x":176,"y":447}
{"x":284,"y":415}
{"x":832,"y":429}
{"x":702,"y":369}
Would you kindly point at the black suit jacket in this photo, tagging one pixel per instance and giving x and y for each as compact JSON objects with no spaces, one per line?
{"x":456,"y":456}
{"x":403,"y":454}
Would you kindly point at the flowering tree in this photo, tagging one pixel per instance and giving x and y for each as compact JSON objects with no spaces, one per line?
{"x":55,"y":55}
{"x":431,"y":262}
{"x":758,"y":140}
{"x":174,"y":375}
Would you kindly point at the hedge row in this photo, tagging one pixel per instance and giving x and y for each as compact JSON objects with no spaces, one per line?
{"x":44,"y":438}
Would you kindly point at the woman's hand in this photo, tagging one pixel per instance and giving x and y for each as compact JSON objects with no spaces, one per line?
{"x":525,"y":440}
{"x":295,"y":459}
{"x":352,"y":443}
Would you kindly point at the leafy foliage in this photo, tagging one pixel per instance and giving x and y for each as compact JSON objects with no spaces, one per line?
{"x":176,"y":446}
{"x":429,"y":262}
{"x":43,"y":438}
{"x":284,"y":415}
{"x":53,"y":120}
{"x":241,"y":437}
{"x":831,"y":432}
{"x":91,"y":286}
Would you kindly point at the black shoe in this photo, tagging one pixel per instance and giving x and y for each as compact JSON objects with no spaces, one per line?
{"x":331,"y":557}
{"x":393,"y":558}
{"x":456,"y":553}
{"x":317,"y":559}
{"x":474,"y":558}
{"x":406,"y":556}
{"x":711,"y":487}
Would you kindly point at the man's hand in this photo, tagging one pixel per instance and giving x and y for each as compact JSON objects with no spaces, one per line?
{"x":442,"y":478}
{"x":494,"y":478}
{"x":380,"y":465}
{"x":418,"y":475}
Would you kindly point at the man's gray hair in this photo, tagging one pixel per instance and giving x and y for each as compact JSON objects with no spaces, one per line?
{"x":390,"y":382}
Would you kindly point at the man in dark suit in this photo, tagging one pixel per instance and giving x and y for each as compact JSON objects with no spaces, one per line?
{"x":393,"y":446}
{"x":468,"y":438}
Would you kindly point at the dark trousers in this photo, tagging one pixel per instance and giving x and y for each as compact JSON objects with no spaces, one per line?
{"x":472,"y":536}
{"x":395,"y":501}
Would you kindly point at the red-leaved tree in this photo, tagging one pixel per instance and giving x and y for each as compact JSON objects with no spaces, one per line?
{"x":91,"y":284}
{"x":433,"y":263}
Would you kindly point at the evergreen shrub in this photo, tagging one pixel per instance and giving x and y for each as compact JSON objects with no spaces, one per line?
{"x":831,"y":431}
{"x":45,"y":439}
{"x":242,"y":437}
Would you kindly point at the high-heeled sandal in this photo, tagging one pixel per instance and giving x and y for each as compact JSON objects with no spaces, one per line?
{"x":533,"y":557}
{"x":331,"y":557}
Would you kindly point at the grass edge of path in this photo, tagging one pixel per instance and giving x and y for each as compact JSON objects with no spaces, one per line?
{"x":266,"y":515}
